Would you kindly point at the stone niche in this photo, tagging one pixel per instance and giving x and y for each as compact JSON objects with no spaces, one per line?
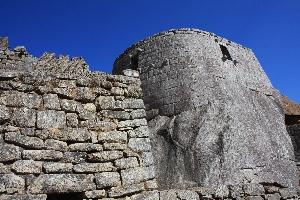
{"x":214,"y":117}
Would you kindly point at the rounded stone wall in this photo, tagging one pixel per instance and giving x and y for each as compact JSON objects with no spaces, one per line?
{"x":213,"y":115}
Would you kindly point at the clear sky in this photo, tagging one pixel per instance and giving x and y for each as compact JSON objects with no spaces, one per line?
{"x":100,"y":30}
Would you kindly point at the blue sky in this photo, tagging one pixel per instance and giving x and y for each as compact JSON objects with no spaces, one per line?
{"x":100,"y":30}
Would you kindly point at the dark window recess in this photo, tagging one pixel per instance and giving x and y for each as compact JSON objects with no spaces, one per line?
{"x":69,"y":196}
{"x":292,"y":119}
{"x":134,"y":62}
{"x":225,"y":52}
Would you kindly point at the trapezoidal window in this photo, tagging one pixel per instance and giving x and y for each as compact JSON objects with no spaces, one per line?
{"x":225,"y":52}
{"x":134,"y":62}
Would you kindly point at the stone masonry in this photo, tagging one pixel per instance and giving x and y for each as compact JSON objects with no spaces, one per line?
{"x":69,"y":133}
{"x":213,"y":115}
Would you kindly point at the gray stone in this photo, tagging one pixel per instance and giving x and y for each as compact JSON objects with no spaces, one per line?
{"x":66,"y":134}
{"x":287,"y":193}
{"x":141,"y":131}
{"x":187,"y":194}
{"x":87,"y":147}
{"x":138,"y":114}
{"x":151,"y":184}
{"x":24,"y":141}
{"x":222,"y":191}
{"x":168,"y":195}
{"x":114,"y":146}
{"x":24,"y":197}
{"x":51,"y":102}
{"x":147,"y":159}
{"x":235,"y":191}
{"x":253,"y":198}
{"x":125,"y":190}
{"x":84,"y":94}
{"x":95,"y":194}
{"x":275,"y":196}
{"x":52,"y":144}
{"x":133,"y":104}
{"x":139,"y":144}
{"x":51,"y":167}
{"x":52,"y":183}
{"x":96,"y":124}
{"x":51,"y":119}
{"x":65,"y":92}
{"x":117,"y":91}
{"x":93,"y":167}
{"x":112,"y":137}
{"x":137,"y":175}
{"x":132,"y":123}
{"x":71,"y":106}
{"x":125,"y":163}
{"x":27,"y":166}
{"x":105,"y":103}
{"x":152,"y":195}
{"x":105,"y":156}
{"x":271,"y":189}
{"x":115,"y":114}
{"x":252,"y":189}
{"x":27,"y":131}
{"x":5,"y":169}
{"x":9,"y":152}
{"x":90,"y":107}
{"x":107,"y":179}
{"x":42,"y":154}
{"x":20,"y":99}
{"x":204,"y":191}
{"x":23,"y":117}
{"x":12,"y":183}
{"x":74,"y":157}
{"x":4,"y":114}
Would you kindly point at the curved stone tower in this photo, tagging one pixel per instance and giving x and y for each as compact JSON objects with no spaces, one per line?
{"x":214,"y":117}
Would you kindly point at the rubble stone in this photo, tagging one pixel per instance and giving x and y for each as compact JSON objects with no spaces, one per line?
{"x":137,"y":175}
{"x":51,"y":119}
{"x":9,"y":152}
{"x":125,"y":190}
{"x":93,"y":167}
{"x":51,"y":167}
{"x":107,"y":179}
{"x":105,"y":156}
{"x":24,"y":141}
{"x":23,"y":117}
{"x":42,"y":154}
{"x":27,"y":166}
{"x":51,"y":102}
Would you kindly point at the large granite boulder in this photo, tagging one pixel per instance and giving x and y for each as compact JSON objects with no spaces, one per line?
{"x":214,"y":117}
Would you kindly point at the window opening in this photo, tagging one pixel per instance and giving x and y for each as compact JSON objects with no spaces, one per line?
{"x":134,"y":62}
{"x":225,"y":52}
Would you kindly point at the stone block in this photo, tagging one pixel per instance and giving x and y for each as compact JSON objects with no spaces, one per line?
{"x":137,"y":175}
{"x":188,"y":195}
{"x":96,"y":124}
{"x":27,"y":166}
{"x":66,"y":134}
{"x":141,"y":131}
{"x":105,"y":156}
{"x":51,"y":119}
{"x":42,"y":155}
{"x":138,"y":114}
{"x":132,"y":123}
{"x":139,"y":144}
{"x":168,"y":195}
{"x":107,"y":179}
{"x":116,"y":91}
{"x":274,"y":196}
{"x":9,"y":152}
{"x":287,"y":193}
{"x":147,"y":159}
{"x":235,"y":191}
{"x":93,"y":167}
{"x":125,"y":163}
{"x":52,"y":144}
{"x":51,"y":102}
{"x":21,"y":99}
{"x":95,"y":194}
{"x":4,"y":114}
{"x":23,"y":117}
{"x":271,"y":189}
{"x":27,"y":131}
{"x":253,"y":198}
{"x":90,"y":107}
{"x":105,"y":103}
{"x":133,"y":104}
{"x":67,"y":84}
{"x":115,"y":114}
{"x":253,"y":189}
{"x":52,"y":183}
{"x":71,"y":106}
{"x":222,"y":191}
{"x":151,"y":184}
{"x":74,"y":157}
{"x":56,"y":167}
{"x":12,"y":183}
{"x":125,"y":190}
{"x":113,"y":137}
{"x":87,"y":147}
{"x":24,"y":141}
{"x":65,"y":92}
{"x":152,"y":195}
{"x":84,"y":94}
{"x":5,"y":169}
{"x":24,"y":197}
{"x":114,"y":146}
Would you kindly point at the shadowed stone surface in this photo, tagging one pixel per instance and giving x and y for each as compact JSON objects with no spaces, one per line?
{"x":213,"y":115}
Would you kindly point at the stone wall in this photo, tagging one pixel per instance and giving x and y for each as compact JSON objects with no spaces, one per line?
{"x":65,"y":134}
{"x":214,"y":117}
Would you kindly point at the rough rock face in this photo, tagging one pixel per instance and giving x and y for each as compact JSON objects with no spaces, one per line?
{"x":214,"y":117}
